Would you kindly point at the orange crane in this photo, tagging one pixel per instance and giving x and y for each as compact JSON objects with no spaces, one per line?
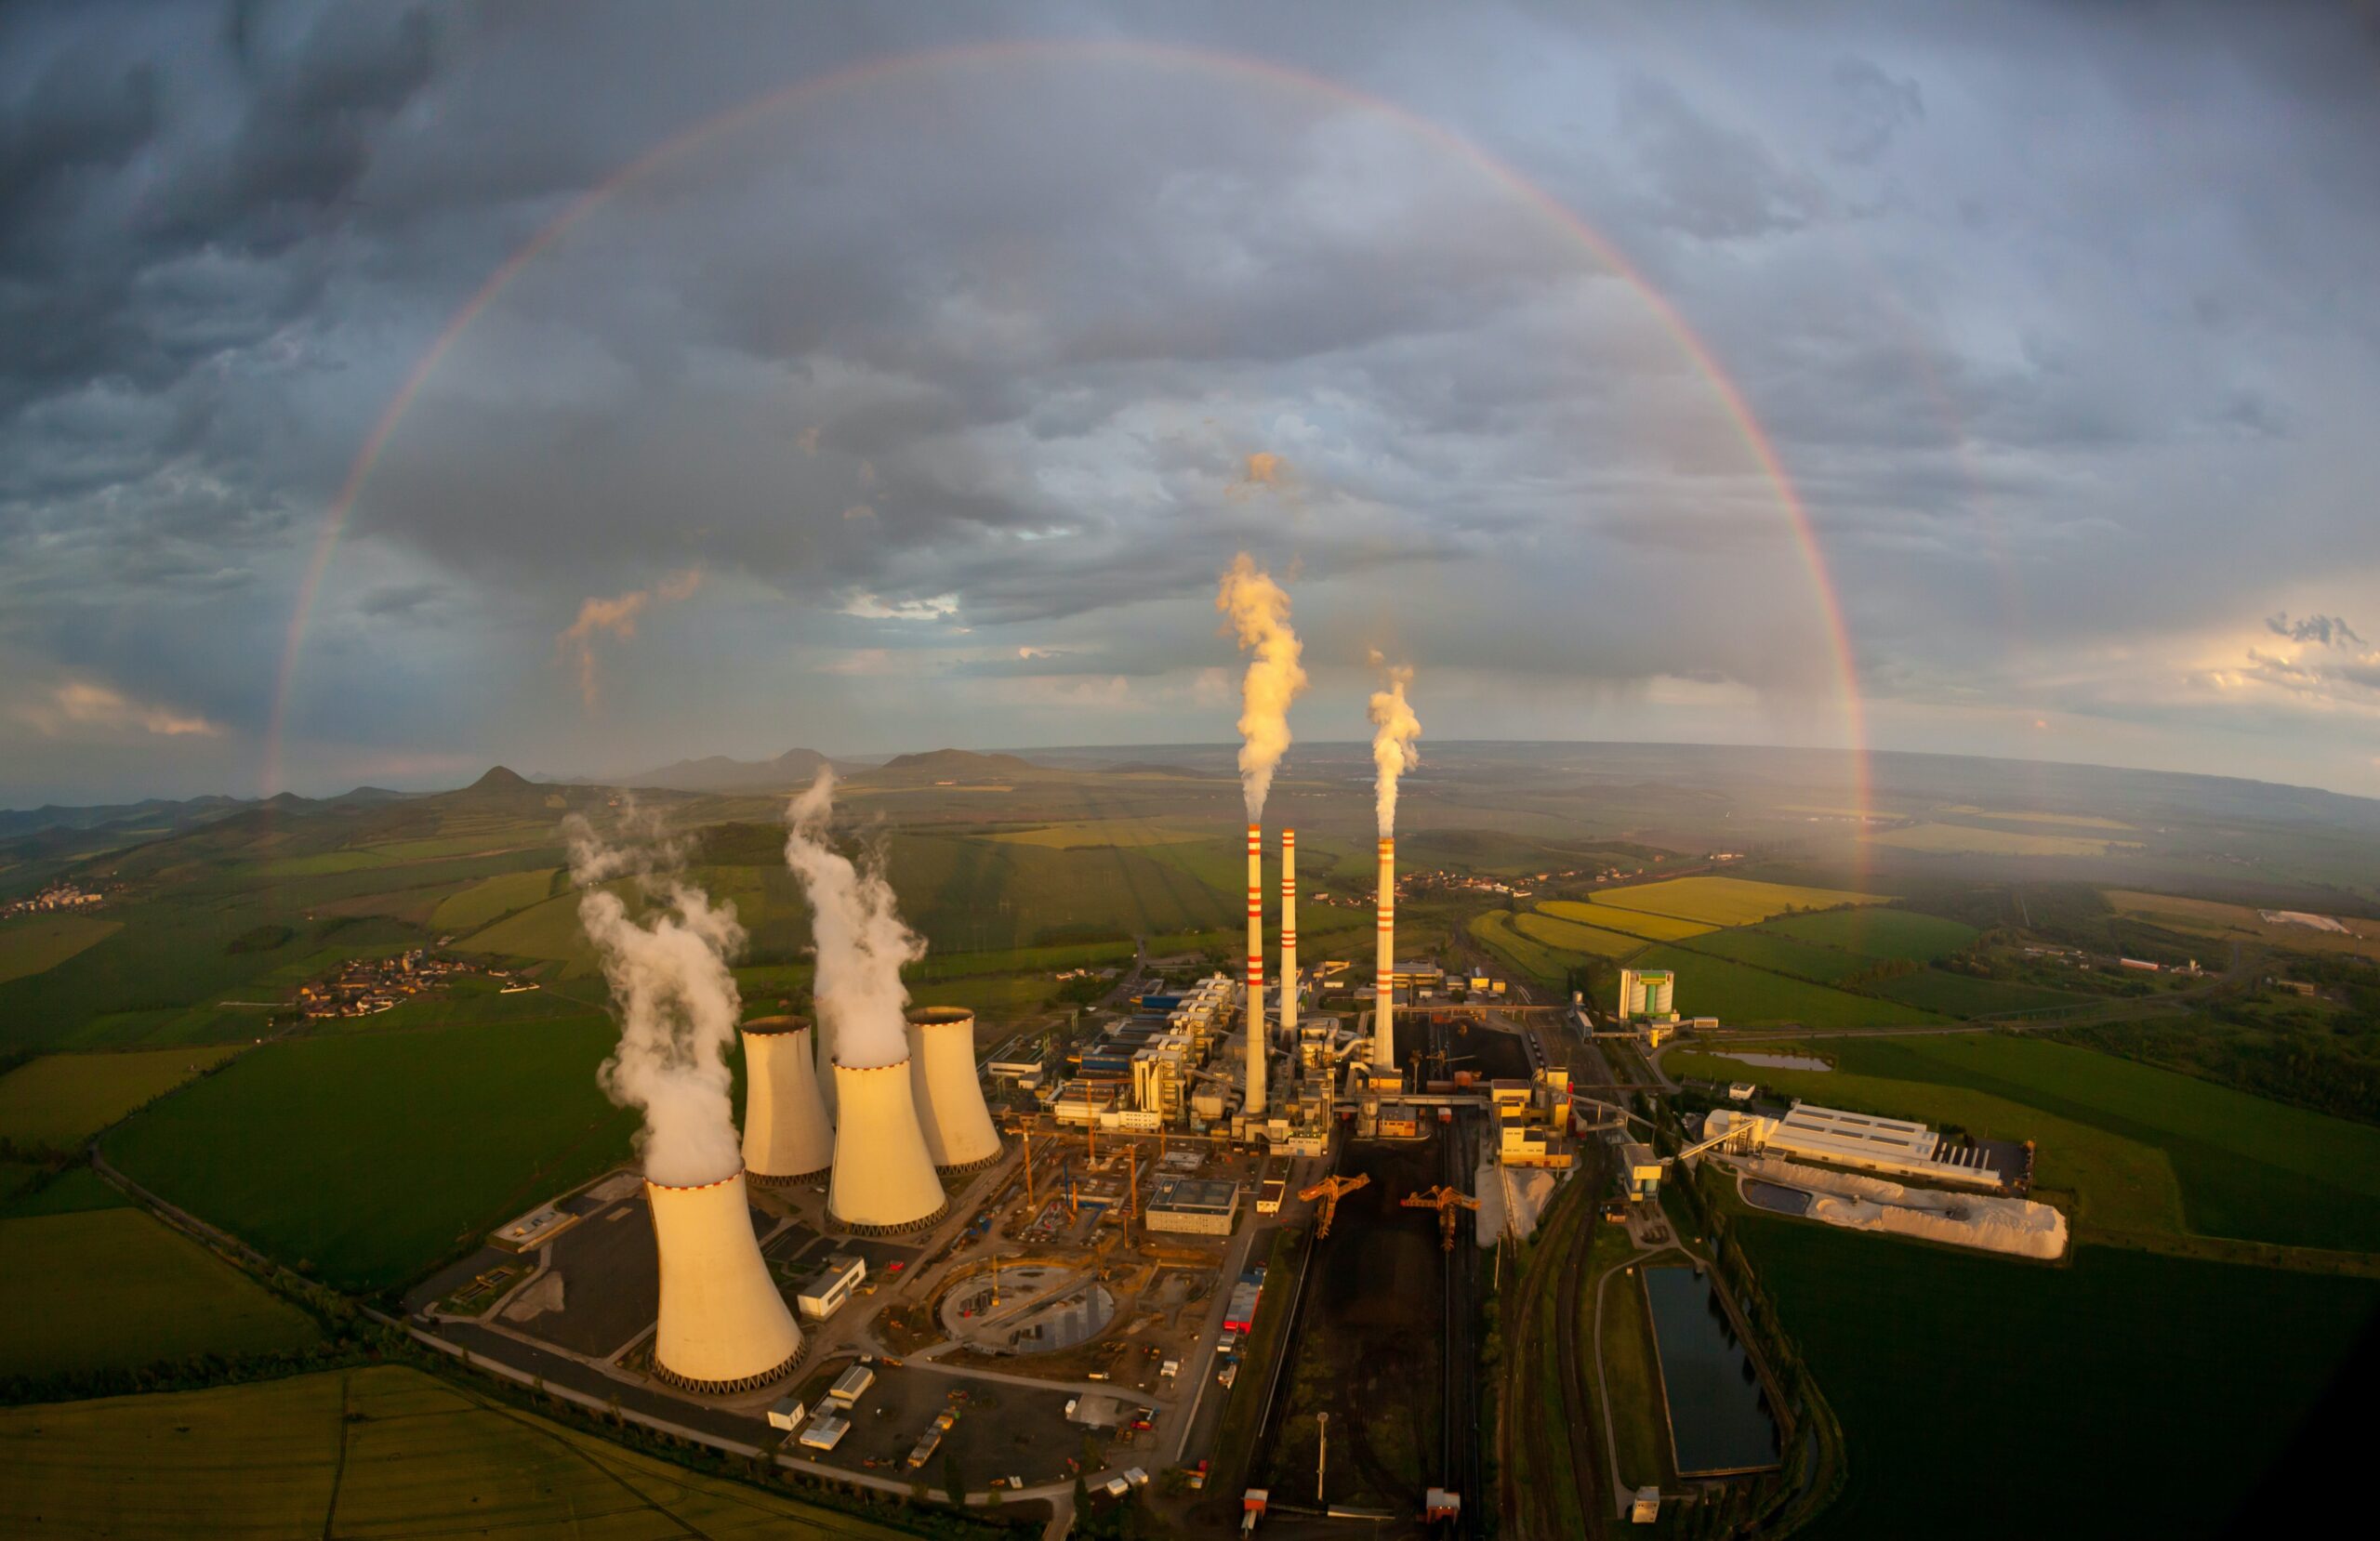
{"x":1447,"y":1202}
{"x":1331,"y":1190}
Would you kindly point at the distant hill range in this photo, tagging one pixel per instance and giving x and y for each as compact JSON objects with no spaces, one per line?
{"x":720,"y":773}
{"x":953,"y":765}
{"x":162,"y":815}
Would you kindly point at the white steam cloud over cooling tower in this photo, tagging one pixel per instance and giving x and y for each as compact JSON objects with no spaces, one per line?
{"x":786,"y":1134}
{"x":949,"y":1097}
{"x":725,"y":1328}
{"x":884,"y":1181}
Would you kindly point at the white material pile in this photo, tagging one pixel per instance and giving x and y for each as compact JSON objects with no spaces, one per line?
{"x":2011,"y":1225}
{"x":1509,"y":1201}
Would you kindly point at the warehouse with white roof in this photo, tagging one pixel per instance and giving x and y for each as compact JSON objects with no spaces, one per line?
{"x":1894,"y":1145}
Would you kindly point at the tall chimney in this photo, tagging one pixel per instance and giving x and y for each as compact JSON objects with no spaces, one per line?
{"x":884,"y":1182}
{"x":786,"y":1131}
{"x":723,"y":1325}
{"x":1290,"y":936}
{"x":959,"y":1135}
{"x":1254,"y":1103}
{"x":1385,"y":972}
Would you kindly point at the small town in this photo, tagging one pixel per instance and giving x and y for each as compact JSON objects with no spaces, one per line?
{"x":365,"y":986}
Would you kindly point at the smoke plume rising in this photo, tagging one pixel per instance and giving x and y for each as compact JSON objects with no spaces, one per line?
{"x":616,"y":614}
{"x":674,"y":997}
{"x":1259,"y":611}
{"x":1395,"y":729}
{"x":862,"y":944}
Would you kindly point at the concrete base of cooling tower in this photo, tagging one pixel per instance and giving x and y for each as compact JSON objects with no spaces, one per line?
{"x":923,"y":1222}
{"x":729,"y":1388}
{"x":767,"y":1180}
{"x":970,"y":1167}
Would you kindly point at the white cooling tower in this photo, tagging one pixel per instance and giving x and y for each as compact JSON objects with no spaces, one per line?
{"x":1253,"y":1103}
{"x":725,"y":1328}
{"x":1290,"y":936}
{"x":786,"y":1134}
{"x":1384,"y":972}
{"x":959,"y":1135}
{"x":884,"y":1181}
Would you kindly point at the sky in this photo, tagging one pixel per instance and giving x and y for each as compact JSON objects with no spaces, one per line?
{"x":388,"y":392}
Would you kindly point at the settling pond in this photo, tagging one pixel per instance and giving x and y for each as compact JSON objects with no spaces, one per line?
{"x":1779,"y":1061}
{"x":1719,"y":1420}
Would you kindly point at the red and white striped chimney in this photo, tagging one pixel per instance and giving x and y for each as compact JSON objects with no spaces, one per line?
{"x":1384,"y":972}
{"x":1290,"y":936}
{"x":1254,"y":1103}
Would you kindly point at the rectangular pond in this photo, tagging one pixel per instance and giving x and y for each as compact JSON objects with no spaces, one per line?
{"x":1718,"y":1411}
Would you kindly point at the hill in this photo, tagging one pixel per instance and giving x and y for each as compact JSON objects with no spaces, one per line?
{"x":954,"y":764}
{"x":721,"y":773}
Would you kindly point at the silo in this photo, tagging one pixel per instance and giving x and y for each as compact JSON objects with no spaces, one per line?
{"x":949,"y":1097}
{"x":884,"y":1181}
{"x":786,"y":1134}
{"x":725,"y":1328}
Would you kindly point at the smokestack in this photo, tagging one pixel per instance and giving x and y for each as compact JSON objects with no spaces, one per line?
{"x":1385,"y":972}
{"x":884,"y":1182}
{"x":787,"y":1136}
{"x":724,"y":1328}
{"x":1254,"y":1103}
{"x":959,"y":1135}
{"x":1290,"y":936}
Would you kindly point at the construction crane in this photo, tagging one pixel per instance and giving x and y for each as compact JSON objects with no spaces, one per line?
{"x":1447,"y":1200}
{"x":1331,"y":1190}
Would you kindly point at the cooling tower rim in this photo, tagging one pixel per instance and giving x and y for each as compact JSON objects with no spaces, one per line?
{"x":730,"y":1388}
{"x":902,"y":1063}
{"x":696,"y":1186}
{"x":939,"y":1016}
{"x":769,"y":1027}
{"x":856,"y":1228}
{"x":981,"y":1163}
{"x":780,"y":1179}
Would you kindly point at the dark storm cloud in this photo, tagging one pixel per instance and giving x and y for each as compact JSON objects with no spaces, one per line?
{"x":2059,"y":317}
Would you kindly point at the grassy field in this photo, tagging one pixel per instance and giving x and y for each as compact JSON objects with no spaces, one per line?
{"x":2145,"y":1150}
{"x":32,"y":943}
{"x":550,"y":930}
{"x":1493,"y":929}
{"x":2079,"y":820}
{"x":1898,"y":1332}
{"x":63,"y":1099}
{"x":491,"y":899}
{"x":2236,"y":922}
{"x":1611,"y":918}
{"x":1725,"y":900}
{"x":70,"y":1192}
{"x":1782,"y":955}
{"x":369,"y":1156}
{"x":1740,"y":996}
{"x":385,"y":1451}
{"x":1966,"y":840}
{"x":110,"y":1288}
{"x":1091,"y":834}
{"x":1572,"y":937}
{"x":1879,"y":933}
{"x":1963,"y":996}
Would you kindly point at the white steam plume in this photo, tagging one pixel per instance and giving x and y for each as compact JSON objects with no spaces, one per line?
{"x":1395,"y":729}
{"x":862,"y":944}
{"x":675,"y":999}
{"x":1259,"y":611}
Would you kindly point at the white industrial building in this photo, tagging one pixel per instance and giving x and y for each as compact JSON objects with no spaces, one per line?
{"x":1830,"y":1135}
{"x":829,"y":1289}
{"x":1647,"y":993}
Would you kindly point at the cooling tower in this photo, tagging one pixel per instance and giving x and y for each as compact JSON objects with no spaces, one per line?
{"x":1254,"y":1101}
{"x":1385,"y":973}
{"x":959,"y":1135}
{"x":724,"y":1328}
{"x":884,"y":1181}
{"x":1290,"y":936}
{"x":786,"y":1132}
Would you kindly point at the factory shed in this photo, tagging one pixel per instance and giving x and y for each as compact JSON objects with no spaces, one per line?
{"x":1194,"y":1205}
{"x":1895,"y":1146}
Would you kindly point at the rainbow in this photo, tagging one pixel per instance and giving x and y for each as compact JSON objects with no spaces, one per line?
{"x":1160,"y":56}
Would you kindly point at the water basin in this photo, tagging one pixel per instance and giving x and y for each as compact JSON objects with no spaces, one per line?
{"x":1719,"y":1418}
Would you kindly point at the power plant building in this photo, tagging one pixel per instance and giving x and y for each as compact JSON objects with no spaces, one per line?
{"x":1195,"y":1206}
{"x":723,"y":1327}
{"x":1647,"y":993}
{"x":786,"y":1134}
{"x":884,"y":1181}
{"x":1893,"y":1146}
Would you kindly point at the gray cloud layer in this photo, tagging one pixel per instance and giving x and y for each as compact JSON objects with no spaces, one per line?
{"x":948,"y":374}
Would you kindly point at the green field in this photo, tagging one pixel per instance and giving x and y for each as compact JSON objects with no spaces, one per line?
{"x":1962,"y":995}
{"x":385,"y":1451}
{"x":2145,"y":1150}
{"x":491,"y":899}
{"x":1879,"y":933}
{"x":1725,"y":900}
{"x":2086,"y":1366}
{"x":112,"y":1289}
{"x":550,"y":930}
{"x":60,"y":1099}
{"x":369,"y":1156}
{"x":1744,"y":996}
{"x":1493,"y":929}
{"x":1784,"y":955}
{"x":32,"y":943}
{"x":1612,"y":917}
{"x":1570,"y":936}
{"x":1968,"y":840}
{"x":70,"y":1192}
{"x":1091,"y":834}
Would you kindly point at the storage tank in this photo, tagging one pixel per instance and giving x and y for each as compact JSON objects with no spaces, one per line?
{"x":884,"y":1181}
{"x":786,"y":1134}
{"x":723,"y":1328}
{"x":949,"y":1097}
